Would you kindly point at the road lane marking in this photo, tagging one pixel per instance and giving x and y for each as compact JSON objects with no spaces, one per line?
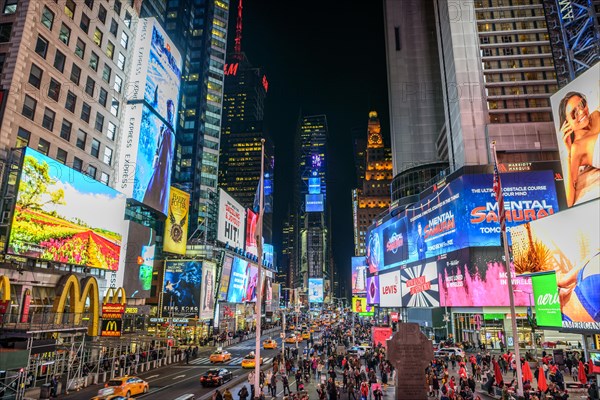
{"x":179,"y":376}
{"x":153,"y":376}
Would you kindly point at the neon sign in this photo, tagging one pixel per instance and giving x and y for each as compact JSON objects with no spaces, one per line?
{"x":265,"y":83}
{"x":231,"y":69}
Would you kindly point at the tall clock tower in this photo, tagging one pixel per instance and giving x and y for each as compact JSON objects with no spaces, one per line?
{"x":374,"y":139}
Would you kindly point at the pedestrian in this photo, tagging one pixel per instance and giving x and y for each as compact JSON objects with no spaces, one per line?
{"x":217,"y":395}
{"x":54,"y":386}
{"x":227,"y":395}
{"x":364,"y":390}
{"x":274,"y":385}
{"x":286,"y":385}
{"x":243,"y":393}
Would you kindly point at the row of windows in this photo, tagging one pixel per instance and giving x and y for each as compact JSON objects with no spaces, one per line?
{"x":520,"y":117}
{"x":522,"y":63}
{"x":515,"y":90}
{"x":511,"y":51}
{"x":23,"y":140}
{"x":520,"y":76}
{"x":511,"y":26}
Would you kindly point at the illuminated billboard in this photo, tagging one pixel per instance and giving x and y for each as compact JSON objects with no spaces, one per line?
{"x":569,"y":244}
{"x":65,"y":216}
{"x":546,"y":300}
{"x":181,"y":288}
{"x":373,"y":290}
{"x":251,"y":221}
{"x":139,"y":260}
{"x":359,"y":275}
{"x":461,"y":214}
{"x":314,"y":185}
{"x":153,"y":100}
{"x":225,"y":276}
{"x":419,"y":285}
{"x":315,"y":290}
{"x":359,"y":304}
{"x":243,"y":282}
{"x":576,"y":111}
{"x":314,"y":203}
{"x":268,"y":253}
{"x":207,"y":298}
{"x":176,"y":225}
{"x":389,"y":290}
{"x":232,"y":221}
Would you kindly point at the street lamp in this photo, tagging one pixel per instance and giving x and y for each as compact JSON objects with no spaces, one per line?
{"x":531,"y":322}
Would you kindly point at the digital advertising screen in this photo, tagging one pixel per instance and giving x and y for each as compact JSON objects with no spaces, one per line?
{"x":139,"y":260}
{"x":569,"y":244}
{"x":207,"y":296}
{"x":359,"y":275}
{"x":315,"y":290}
{"x":373,"y":290}
{"x":314,"y":185}
{"x":314,"y":203}
{"x":419,"y":285}
{"x":65,"y":216}
{"x":374,"y":247}
{"x":176,"y":225}
{"x":251,"y":221}
{"x":237,"y":281}
{"x":181,"y":287}
{"x":225,"y":277}
{"x":251,"y":283}
{"x":395,"y":241}
{"x":468,"y":276}
{"x":546,"y":300}
{"x":268,"y":253}
{"x":576,"y":112}
{"x":359,"y":304}
{"x":389,"y":290}
{"x":380,"y":335}
{"x":232,"y":221}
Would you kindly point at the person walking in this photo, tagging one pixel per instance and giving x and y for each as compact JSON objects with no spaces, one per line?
{"x":227,"y":394}
{"x":217,"y":395}
{"x":286,"y":385}
{"x":243,"y":393}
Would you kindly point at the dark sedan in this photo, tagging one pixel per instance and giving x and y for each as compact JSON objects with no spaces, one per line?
{"x":216,"y":377}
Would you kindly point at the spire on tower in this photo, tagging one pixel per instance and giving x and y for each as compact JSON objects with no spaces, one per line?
{"x":238,"y":30}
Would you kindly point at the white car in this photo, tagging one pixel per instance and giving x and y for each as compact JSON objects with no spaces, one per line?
{"x":357,"y":350}
{"x":457,"y":351}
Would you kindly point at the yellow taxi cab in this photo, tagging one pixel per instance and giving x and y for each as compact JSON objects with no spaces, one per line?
{"x":249,"y":361}
{"x":306,"y":335}
{"x":128,"y":386}
{"x":293,"y":339}
{"x":269,"y":344}
{"x":220,"y":356}
{"x":291,"y":327}
{"x":108,"y":394}
{"x":315,"y":328}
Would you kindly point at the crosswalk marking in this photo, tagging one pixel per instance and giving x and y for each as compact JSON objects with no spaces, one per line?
{"x":233,"y":361}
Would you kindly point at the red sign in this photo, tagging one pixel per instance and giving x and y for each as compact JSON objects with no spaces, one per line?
{"x":113,"y":310}
{"x":4,"y":304}
{"x":394,"y":316}
{"x":25,"y":309}
{"x":381,"y":335}
{"x":231,"y":69}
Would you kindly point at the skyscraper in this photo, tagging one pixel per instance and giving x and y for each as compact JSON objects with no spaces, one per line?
{"x":372,"y":197}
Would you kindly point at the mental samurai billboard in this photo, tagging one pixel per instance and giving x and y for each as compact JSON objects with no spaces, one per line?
{"x":181,"y":287}
{"x":576,"y":111}
{"x":150,"y":116}
{"x":64,"y":216}
{"x":568,"y":244}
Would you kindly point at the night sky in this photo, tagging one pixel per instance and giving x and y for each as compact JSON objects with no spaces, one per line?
{"x":320,"y":57}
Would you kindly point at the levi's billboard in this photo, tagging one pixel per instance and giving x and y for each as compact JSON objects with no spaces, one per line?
{"x":389,"y":290}
{"x":463,"y":213}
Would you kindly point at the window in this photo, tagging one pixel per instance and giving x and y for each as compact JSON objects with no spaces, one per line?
{"x":41,"y":46}
{"x":121,"y":62}
{"x":47,"y":18}
{"x":70,"y":8}
{"x":23,"y":136}
{"x":124,"y":40}
{"x":5,"y":31}
{"x":65,"y":130}
{"x":86,"y":110}
{"x":61,"y":155}
{"x":77,"y":164}
{"x":43,"y":147}
{"x":84,"y":24}
{"x":92,"y":171}
{"x":102,"y":14}
{"x":75,"y":74}
{"x":104,"y":178}
{"x":29,"y":105}
{"x":2,"y":59}
{"x":127,"y":19}
{"x":117,"y":7}
{"x":114,"y":27}
{"x":106,"y":71}
{"x":110,"y":49}
{"x":10,"y":6}
{"x":89,"y":3}
{"x":114,"y":107}
{"x":54,"y":89}
{"x":59,"y":60}
{"x":81,"y":138}
{"x":48,"y":120}
{"x":118,"y":84}
{"x":35,"y":76}
{"x":111,"y":131}
{"x":98,"y":37}
{"x":94,"y":61}
{"x":103,"y":97}
{"x":108,"y":154}
{"x":71,"y":101}
{"x":99,"y":122}
{"x":95,"y":148}
{"x":80,"y":48}
{"x":65,"y":34}
{"x":90,"y":85}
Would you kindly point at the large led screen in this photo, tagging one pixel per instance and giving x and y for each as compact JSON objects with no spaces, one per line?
{"x":243,"y":282}
{"x":140,"y":260}
{"x":546,"y":300}
{"x":314,"y":203}
{"x":576,"y":111}
{"x":225,"y":276}
{"x":64,"y":216}
{"x":315,"y":290}
{"x":468,"y":276}
{"x":359,"y":275}
{"x":419,"y":285}
{"x":389,"y":290}
{"x":181,"y":287}
{"x":268,"y":253}
{"x":373,"y":290}
{"x":207,"y":298}
{"x":359,"y":304}
{"x":251,"y":221}
{"x":463,"y":213}
{"x":569,"y":244}
{"x":232,"y":221}
{"x":176,"y":225}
